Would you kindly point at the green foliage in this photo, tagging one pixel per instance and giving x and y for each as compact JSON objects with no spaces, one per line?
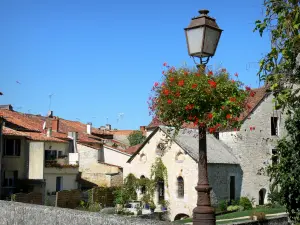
{"x":233,"y":208}
{"x":131,"y":184}
{"x":164,"y":203}
{"x":136,"y":137}
{"x":152,"y":205}
{"x":159,"y":171}
{"x":278,"y":67}
{"x":246,"y":203}
{"x":121,"y":196}
{"x":223,"y":205}
{"x":285,"y":175}
{"x":191,"y":96}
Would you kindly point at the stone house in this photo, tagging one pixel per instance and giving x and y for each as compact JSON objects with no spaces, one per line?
{"x":252,"y":147}
{"x":180,"y":159}
{"x":36,"y":162}
{"x":254,"y":144}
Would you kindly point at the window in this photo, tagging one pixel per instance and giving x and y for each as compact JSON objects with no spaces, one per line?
{"x":274,"y":126}
{"x":59,"y":184}
{"x":232,"y":188}
{"x":143,"y":187}
{"x":216,"y":134}
{"x":161,"y":190}
{"x":274,"y":157}
{"x":10,"y":178}
{"x":180,"y":185}
{"x":51,"y":154}
{"x":12,"y":147}
{"x":262,"y":194}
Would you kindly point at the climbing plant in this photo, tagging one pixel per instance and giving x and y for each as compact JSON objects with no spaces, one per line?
{"x":159,"y":171}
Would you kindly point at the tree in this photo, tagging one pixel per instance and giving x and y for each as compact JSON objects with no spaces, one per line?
{"x":285,"y":174}
{"x":136,"y":137}
{"x":279,"y":67}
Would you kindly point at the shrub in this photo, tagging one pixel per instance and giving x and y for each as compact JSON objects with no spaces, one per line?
{"x":223,"y":205}
{"x":260,"y":216}
{"x":94,"y":207}
{"x":246,"y":203}
{"x":233,"y":208}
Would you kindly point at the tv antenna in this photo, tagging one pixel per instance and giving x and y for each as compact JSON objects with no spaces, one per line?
{"x":120,"y":117}
{"x":50,"y":100}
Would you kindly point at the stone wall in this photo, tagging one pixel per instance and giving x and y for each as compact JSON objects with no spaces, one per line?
{"x":116,"y":180}
{"x":282,"y":220}
{"x":26,"y":214}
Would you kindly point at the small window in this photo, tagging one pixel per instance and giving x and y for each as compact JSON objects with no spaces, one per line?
{"x":50,"y":155}
{"x":12,"y":147}
{"x":274,"y":126}
{"x":180,"y":184}
{"x":274,"y":157}
{"x":143,"y":187}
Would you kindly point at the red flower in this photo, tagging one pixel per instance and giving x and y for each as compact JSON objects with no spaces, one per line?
{"x":232,"y":99}
{"x":181,"y":83}
{"x":228,"y":116}
{"x":172,"y":69}
{"x":211,"y":130}
{"x":248,"y":88}
{"x":250,"y":128}
{"x":233,"y":81}
{"x":163,"y":84}
{"x":191,"y":118}
{"x":166,"y":92}
{"x":201,"y":124}
{"x":198,"y":75}
{"x":169,"y":101}
{"x":210,"y":73}
{"x":177,"y":94}
{"x":165,"y":64}
{"x":236,"y":74}
{"x":222,"y":107}
{"x":235,"y":129}
{"x":163,"y":72}
{"x":252,"y":93}
{"x":172,"y":79}
{"x":248,"y":106}
{"x":210,"y":116}
{"x":186,"y":73}
{"x":212,"y":83}
{"x":156,"y":84}
{"x":194,"y":86}
{"x":189,"y":107}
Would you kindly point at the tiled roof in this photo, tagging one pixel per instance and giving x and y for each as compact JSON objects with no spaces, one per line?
{"x":42,"y":137}
{"x":253,"y":102}
{"x":21,"y":120}
{"x":133,"y":149}
{"x":119,"y":149}
{"x":10,"y":132}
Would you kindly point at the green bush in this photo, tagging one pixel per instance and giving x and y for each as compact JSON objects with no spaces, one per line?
{"x":223,"y":205}
{"x":246,"y":203}
{"x":233,"y":208}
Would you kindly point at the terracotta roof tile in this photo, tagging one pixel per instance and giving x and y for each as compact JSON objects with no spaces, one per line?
{"x":10,"y":132}
{"x":133,"y":149}
{"x":42,"y":137}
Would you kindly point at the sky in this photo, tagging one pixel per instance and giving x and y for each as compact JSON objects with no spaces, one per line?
{"x":97,"y":60}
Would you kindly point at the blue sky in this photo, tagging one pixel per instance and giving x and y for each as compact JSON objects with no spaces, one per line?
{"x":100,"y":58}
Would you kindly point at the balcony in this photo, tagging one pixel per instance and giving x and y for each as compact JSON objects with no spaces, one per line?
{"x":61,"y":165}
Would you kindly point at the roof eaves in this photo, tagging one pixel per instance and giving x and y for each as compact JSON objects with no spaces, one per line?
{"x":143,"y":144}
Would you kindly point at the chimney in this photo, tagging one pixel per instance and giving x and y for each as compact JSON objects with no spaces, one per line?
{"x":49,"y":132}
{"x":108,"y":127}
{"x":50,"y":114}
{"x":74,"y":136}
{"x":143,"y":128}
{"x":55,"y":124}
{"x":9,"y":107}
{"x":89,"y":128}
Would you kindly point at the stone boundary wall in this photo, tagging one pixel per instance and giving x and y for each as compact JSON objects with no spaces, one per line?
{"x":279,"y":220}
{"x":28,"y":214}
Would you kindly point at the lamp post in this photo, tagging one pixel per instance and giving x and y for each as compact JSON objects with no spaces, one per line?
{"x":202,"y":36}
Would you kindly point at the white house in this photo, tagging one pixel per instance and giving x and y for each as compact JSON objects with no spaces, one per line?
{"x":180,"y":159}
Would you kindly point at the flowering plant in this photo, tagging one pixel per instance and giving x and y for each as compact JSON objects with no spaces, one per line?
{"x":214,"y":101}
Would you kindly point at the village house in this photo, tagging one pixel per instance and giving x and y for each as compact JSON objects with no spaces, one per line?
{"x":236,"y":159}
{"x":99,"y":156}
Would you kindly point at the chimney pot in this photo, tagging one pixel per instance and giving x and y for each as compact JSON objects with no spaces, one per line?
{"x":89,"y":128}
{"x":50,"y":114}
{"x":108,"y":127}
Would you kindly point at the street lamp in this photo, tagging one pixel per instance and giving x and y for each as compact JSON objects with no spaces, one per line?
{"x":202,"y":36}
